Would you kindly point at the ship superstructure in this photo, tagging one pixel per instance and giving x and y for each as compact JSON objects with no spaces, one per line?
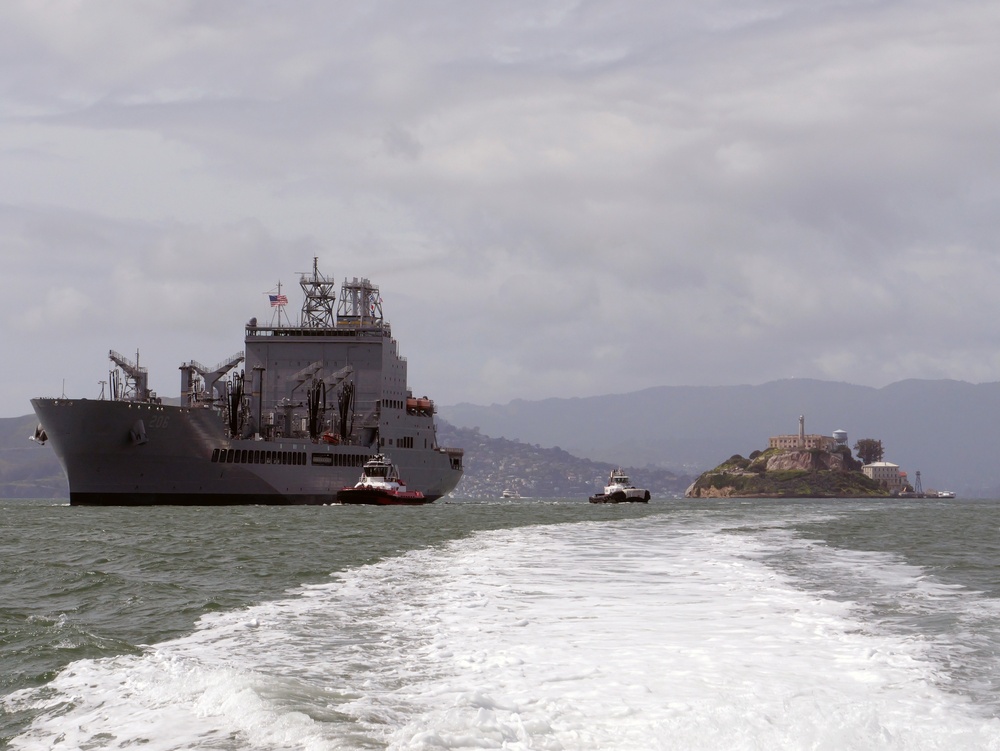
{"x":290,"y":420}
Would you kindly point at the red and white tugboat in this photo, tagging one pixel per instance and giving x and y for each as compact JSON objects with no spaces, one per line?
{"x":620,"y":490}
{"x":380,"y":486}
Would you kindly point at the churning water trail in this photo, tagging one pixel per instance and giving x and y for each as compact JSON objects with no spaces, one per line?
{"x":680,"y":630}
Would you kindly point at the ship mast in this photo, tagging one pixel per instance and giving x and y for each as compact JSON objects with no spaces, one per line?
{"x":360,"y":304}
{"x":317,"y":307}
{"x":278,"y":302}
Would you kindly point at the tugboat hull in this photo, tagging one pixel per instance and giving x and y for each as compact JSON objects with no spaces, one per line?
{"x":376,"y":497}
{"x":620,"y":497}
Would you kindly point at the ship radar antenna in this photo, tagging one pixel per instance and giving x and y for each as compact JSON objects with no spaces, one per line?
{"x":278,"y":301}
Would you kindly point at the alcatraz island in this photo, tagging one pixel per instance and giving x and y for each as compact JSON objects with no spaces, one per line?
{"x":808,"y":466}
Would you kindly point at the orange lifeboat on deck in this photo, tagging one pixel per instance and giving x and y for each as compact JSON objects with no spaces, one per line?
{"x":423,"y":404}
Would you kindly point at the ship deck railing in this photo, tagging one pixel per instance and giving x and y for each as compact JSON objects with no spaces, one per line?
{"x":342,"y":330}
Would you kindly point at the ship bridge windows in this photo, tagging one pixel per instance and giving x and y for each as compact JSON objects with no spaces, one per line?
{"x":339,"y":460}
{"x":253,"y":456}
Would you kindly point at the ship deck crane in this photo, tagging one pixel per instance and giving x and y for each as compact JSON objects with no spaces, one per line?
{"x":212,"y":377}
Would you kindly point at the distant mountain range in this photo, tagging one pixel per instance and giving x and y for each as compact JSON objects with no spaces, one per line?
{"x":947,"y":430}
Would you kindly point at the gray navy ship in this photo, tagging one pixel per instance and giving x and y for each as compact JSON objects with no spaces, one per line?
{"x":296,"y":423}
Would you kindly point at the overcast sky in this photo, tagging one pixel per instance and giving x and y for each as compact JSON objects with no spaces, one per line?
{"x":556,"y":198}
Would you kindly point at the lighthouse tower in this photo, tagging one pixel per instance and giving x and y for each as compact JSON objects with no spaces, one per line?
{"x":802,"y":431}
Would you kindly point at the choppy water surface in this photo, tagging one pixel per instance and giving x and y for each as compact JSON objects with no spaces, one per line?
{"x":519,"y":625}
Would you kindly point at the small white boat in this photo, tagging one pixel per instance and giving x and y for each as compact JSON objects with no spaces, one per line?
{"x":620,"y":490}
{"x":510,"y":493}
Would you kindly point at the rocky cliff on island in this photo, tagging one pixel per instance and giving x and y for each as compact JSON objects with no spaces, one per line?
{"x":787,"y":473}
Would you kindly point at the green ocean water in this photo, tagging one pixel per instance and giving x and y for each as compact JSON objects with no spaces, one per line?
{"x":82,"y":582}
{"x":84,"y":586}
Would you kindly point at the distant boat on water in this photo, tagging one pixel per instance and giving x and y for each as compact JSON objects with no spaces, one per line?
{"x":620,"y":489}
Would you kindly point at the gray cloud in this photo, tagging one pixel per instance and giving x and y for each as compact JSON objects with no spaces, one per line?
{"x":557,"y":198}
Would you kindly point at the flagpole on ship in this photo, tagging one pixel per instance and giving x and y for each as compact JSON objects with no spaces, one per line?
{"x":278,"y":302}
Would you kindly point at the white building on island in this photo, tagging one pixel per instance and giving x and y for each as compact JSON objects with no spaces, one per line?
{"x":888,"y":474}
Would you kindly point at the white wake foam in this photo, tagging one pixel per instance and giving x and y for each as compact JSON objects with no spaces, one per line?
{"x":650,"y":634}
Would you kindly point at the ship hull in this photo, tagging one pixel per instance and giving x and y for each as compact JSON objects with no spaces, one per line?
{"x":378,"y":497}
{"x":630,"y":495}
{"x":601,"y":498}
{"x":118,"y":453}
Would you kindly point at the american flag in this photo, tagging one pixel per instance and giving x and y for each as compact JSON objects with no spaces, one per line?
{"x":277,"y":300}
